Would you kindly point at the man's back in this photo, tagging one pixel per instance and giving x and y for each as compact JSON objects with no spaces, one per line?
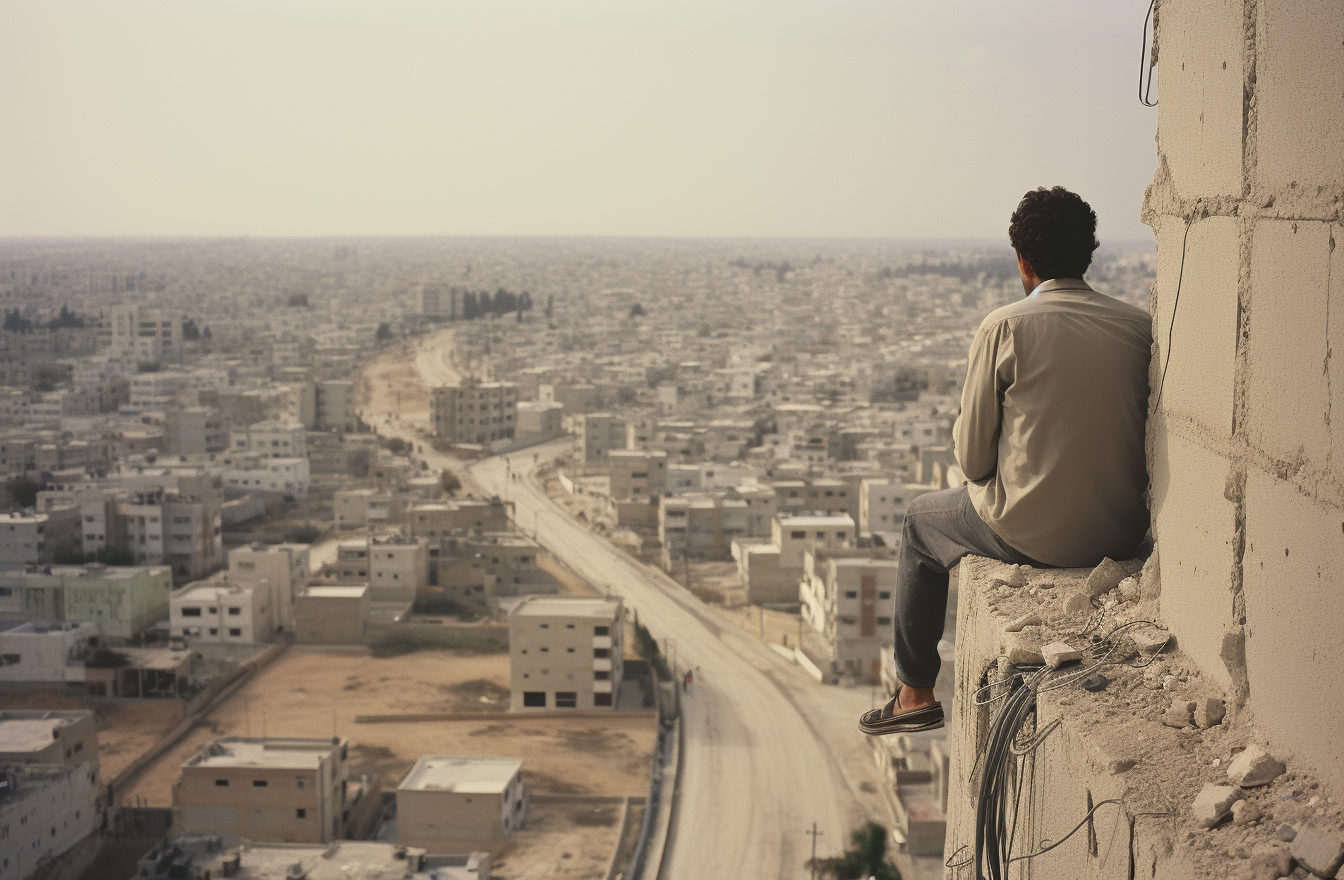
{"x":1052,"y":425}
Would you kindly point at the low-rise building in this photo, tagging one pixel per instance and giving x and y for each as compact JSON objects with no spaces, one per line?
{"x":223,"y":612}
{"x":46,"y":652}
{"x":448,"y":518}
{"x":398,"y":567}
{"x":539,"y":421}
{"x":599,"y":434}
{"x":165,"y":528}
{"x":285,"y":477}
{"x":49,"y":736}
{"x":636,"y":475}
{"x":326,"y":614}
{"x":28,"y":538}
{"x":194,"y":431}
{"x":566,"y":652}
{"x":457,"y":805}
{"x":882,"y":504}
{"x":474,"y":412}
{"x":270,"y":440}
{"x":45,"y":809}
{"x":847,"y":597}
{"x":123,"y":601}
{"x":283,"y":567}
{"x":367,"y":508}
{"x":282,"y":790}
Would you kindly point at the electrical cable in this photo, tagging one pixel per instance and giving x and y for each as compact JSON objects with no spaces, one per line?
{"x":1180,"y":276}
{"x":1145,"y":59}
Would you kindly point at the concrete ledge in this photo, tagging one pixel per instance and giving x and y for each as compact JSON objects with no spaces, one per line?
{"x":1111,"y":744}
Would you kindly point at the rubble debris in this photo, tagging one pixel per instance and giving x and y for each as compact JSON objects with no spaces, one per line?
{"x":1245,"y":813}
{"x":1121,"y":765}
{"x":1209,"y":711}
{"x":1254,"y":766}
{"x":1095,"y":683}
{"x":1056,"y":654}
{"x":1214,"y":803}
{"x":1270,"y":860}
{"x":1023,"y":651}
{"x":1129,"y":590}
{"x":1150,"y":579}
{"x":1150,"y":641}
{"x":1026,"y":620}
{"x":1105,"y":577}
{"x":1319,"y":849}
{"x":1285,"y":832}
{"x":1078,"y":603}
{"x":1180,"y":713}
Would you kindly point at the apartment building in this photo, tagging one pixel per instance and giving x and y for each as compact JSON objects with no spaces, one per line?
{"x":223,"y":613}
{"x":599,"y":434}
{"x":474,"y":412}
{"x":460,"y":805}
{"x":162,"y":528}
{"x":397,"y":568}
{"x":847,"y":597}
{"x":636,"y":475}
{"x":194,"y":430}
{"x":773,"y":572}
{"x":500,"y":564}
{"x":326,"y":614}
{"x":328,"y":406}
{"x":68,"y":737}
{"x":42,"y":651}
{"x":284,"y":568}
{"x":281,"y":790}
{"x":286,"y":477}
{"x":45,"y":809}
{"x":123,"y":601}
{"x":447,"y":518}
{"x":28,"y":538}
{"x":367,"y":508}
{"x":144,"y":334}
{"x":539,"y":421}
{"x":273,"y":439}
{"x":882,"y":504}
{"x":566,"y":652}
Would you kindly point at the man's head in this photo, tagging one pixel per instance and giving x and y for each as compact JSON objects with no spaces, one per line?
{"x":1055,"y":232}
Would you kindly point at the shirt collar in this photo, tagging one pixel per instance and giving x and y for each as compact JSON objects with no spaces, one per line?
{"x":1055,"y":284}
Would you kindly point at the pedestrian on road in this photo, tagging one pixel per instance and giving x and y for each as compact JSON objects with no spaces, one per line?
{"x":1050,"y":437}
{"x":686,"y":682}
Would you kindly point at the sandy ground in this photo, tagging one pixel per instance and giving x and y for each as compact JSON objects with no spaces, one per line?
{"x":563,"y":839}
{"x":311,"y":692}
{"x":126,"y":728}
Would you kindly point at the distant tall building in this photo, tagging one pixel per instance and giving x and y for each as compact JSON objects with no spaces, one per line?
{"x":600,"y":434}
{"x":145,"y":334}
{"x":474,"y":412}
{"x":438,"y":302}
{"x":328,"y":406}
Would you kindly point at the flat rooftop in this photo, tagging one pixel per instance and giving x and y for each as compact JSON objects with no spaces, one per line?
{"x":600,"y":607}
{"x":467,"y":775}
{"x":33,"y":730}
{"x":335,"y":592}
{"x":289,"y":754}
{"x":841,"y":519}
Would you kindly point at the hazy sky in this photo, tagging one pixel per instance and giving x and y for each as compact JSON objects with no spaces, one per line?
{"x":561,"y":117}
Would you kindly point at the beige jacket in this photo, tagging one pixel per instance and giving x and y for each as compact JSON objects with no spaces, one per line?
{"x":1052,"y":424}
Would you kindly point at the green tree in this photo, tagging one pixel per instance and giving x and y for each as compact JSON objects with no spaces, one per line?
{"x":16,"y":322}
{"x":637,"y":310}
{"x":450,"y":483}
{"x":23,"y":490}
{"x":189,"y":329}
{"x":384,"y":332}
{"x":865,"y":859}
{"x":297,"y":301}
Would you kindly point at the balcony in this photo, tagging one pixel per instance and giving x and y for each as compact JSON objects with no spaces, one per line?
{"x":601,"y":641}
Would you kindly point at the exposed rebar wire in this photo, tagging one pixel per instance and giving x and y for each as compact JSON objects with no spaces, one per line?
{"x":1146,"y":58}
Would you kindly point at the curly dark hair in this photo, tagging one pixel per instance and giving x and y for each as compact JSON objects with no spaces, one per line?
{"x":1056,"y":231}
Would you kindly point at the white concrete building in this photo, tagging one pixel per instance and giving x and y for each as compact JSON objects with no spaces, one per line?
{"x":220,"y":612}
{"x":847,"y":597}
{"x":566,"y":652}
{"x":882,"y":504}
{"x":270,"y":440}
{"x":331,"y":614}
{"x":162,"y":528}
{"x":636,"y":475}
{"x":599,"y":434}
{"x":284,"y":568}
{"x":398,"y":567}
{"x":474,"y":412}
{"x":28,"y":538}
{"x":45,"y":809}
{"x":50,"y":652}
{"x":49,"y":736}
{"x":275,"y":476}
{"x":458,"y":805}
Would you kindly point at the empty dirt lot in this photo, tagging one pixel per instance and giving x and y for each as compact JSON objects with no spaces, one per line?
{"x":315,"y":692}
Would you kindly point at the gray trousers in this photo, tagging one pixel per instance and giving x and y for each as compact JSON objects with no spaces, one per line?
{"x":940,"y":528}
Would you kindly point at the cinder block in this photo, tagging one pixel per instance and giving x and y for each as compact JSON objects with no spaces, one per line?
{"x":1293,"y":571}
{"x":1194,"y":522}
{"x":1287,"y":395}
{"x":1299,"y":93}
{"x":1204,"y":340}
{"x":1200,"y":81}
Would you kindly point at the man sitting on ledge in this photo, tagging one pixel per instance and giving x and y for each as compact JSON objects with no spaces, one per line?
{"x":1051,"y":436}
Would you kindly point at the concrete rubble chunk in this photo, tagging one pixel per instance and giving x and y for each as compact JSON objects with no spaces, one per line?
{"x":1270,"y":860}
{"x":1149,"y":640}
{"x":1245,"y":813}
{"x":1150,"y":579}
{"x":1254,"y":766}
{"x":1285,"y":832}
{"x":1213,"y":804}
{"x":1024,"y":651}
{"x":1016,"y":576}
{"x":1105,"y":577}
{"x":1319,"y":849}
{"x":1129,"y":589}
{"x":1209,"y":711}
{"x":1078,"y":603}
{"x":1056,"y":654}
{"x":1021,"y":623}
{"x":1179,"y":713}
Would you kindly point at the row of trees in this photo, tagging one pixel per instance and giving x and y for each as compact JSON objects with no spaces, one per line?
{"x":479,"y":303}
{"x":17,"y":323}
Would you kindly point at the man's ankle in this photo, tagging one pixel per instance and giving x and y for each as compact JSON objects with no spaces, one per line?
{"x":913,"y":697}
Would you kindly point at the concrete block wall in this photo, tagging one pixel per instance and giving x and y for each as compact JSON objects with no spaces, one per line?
{"x":1246,"y":443}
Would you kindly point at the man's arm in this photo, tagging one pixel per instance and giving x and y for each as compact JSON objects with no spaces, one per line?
{"x":975,"y":436}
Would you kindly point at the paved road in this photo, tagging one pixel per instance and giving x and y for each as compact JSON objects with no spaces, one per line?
{"x":763,"y":745}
